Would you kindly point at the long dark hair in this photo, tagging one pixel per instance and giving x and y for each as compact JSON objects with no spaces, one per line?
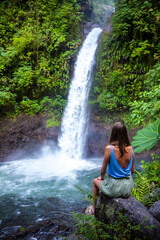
{"x":119,"y":133}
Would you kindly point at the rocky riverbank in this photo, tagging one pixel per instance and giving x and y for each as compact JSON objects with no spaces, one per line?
{"x":24,"y":135}
{"x":47,"y":229}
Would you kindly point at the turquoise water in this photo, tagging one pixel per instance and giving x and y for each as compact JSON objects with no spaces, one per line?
{"x":44,"y":187}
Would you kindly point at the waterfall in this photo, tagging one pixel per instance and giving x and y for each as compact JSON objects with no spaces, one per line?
{"x":74,"y":123}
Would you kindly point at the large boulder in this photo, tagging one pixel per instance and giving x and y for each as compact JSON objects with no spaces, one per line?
{"x":108,"y":210}
{"x":155,"y":210}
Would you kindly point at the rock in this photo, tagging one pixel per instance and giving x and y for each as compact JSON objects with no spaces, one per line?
{"x":108,"y":209}
{"x":155,"y":194}
{"x":89,"y":210}
{"x":21,"y":136}
{"x":108,"y":28}
{"x":88,"y":26}
{"x":97,"y":139}
{"x":155,"y":210}
{"x":47,"y":229}
{"x":152,"y":197}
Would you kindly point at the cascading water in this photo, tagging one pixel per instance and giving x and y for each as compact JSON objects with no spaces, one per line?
{"x":74,"y":123}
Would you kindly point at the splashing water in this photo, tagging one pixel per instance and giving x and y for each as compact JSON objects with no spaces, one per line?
{"x":74,"y":123}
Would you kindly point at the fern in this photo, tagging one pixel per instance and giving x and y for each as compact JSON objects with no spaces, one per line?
{"x":86,"y":193}
{"x":141,"y":189}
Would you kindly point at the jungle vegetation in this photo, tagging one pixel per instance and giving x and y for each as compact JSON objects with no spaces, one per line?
{"x":38,"y":42}
{"x":127,"y":77}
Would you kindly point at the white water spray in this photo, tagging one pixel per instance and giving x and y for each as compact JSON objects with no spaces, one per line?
{"x":74,"y":123}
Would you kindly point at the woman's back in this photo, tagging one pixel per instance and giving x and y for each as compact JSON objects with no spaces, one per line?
{"x":119,"y":166}
{"x":125,"y":159}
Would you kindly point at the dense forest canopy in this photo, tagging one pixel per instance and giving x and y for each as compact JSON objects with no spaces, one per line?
{"x":38,"y":40}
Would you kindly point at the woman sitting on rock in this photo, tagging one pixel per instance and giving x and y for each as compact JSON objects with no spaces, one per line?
{"x":119,"y":162}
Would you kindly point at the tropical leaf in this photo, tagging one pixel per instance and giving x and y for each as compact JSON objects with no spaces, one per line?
{"x":147,"y":137}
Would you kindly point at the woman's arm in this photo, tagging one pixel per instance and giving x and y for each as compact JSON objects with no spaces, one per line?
{"x":132,"y":168}
{"x":106,"y":160}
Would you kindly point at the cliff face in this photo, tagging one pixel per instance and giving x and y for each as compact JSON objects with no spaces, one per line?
{"x":21,"y":136}
{"x":24,"y":135}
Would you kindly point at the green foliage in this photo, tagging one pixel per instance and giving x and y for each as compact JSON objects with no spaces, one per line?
{"x":147,"y":181}
{"x":152,"y":171}
{"x":86,"y":193}
{"x":23,"y":79}
{"x":30,"y":107}
{"x":51,"y":106}
{"x":89,"y":227}
{"x":39,"y":40}
{"x":55,"y":105}
{"x":125,"y":55}
{"x":148,"y":105}
{"x":107,"y":100}
{"x":52,"y":122}
{"x":142,"y":188}
{"x":7,"y":99}
{"x":147,"y":137}
{"x":123,"y":229}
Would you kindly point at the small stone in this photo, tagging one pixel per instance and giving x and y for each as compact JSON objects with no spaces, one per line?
{"x":89,"y":210}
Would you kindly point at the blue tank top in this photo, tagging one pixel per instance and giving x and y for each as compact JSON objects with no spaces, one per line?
{"x":115,"y":170}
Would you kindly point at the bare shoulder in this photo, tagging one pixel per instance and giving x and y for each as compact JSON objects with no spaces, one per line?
{"x":107,"y":152}
{"x":128,"y":148}
{"x":108,"y":147}
{"x":132,"y":148}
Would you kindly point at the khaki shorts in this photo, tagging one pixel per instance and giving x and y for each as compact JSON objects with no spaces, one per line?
{"x":117,"y":187}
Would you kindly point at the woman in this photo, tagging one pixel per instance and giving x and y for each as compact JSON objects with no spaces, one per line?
{"x":119,"y":162}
